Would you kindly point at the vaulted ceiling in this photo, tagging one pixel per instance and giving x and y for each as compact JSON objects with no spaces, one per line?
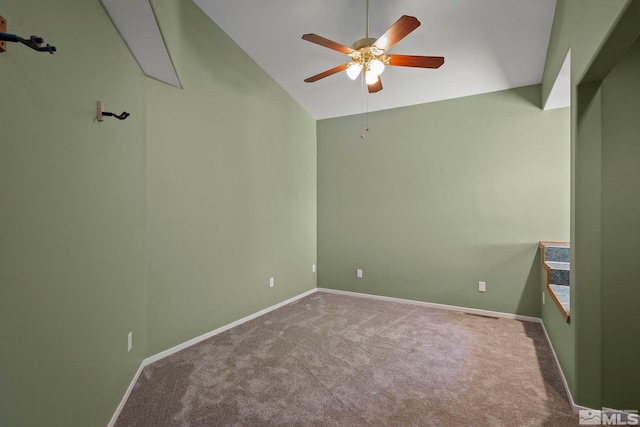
{"x":488,"y":45}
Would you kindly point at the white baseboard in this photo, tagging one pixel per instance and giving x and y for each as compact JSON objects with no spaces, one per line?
{"x":575,"y":407}
{"x":120,"y":407}
{"x":196,"y":340}
{"x":221,"y":329}
{"x":435,"y":305}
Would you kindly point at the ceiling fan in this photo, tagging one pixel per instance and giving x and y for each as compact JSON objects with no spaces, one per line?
{"x":370,"y":56}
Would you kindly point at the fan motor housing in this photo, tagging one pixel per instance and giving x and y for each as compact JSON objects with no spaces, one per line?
{"x":366,"y":42}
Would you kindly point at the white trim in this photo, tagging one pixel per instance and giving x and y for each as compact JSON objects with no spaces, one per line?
{"x":196,"y":340}
{"x":575,"y":407}
{"x":221,"y":329}
{"x":120,"y":407}
{"x":435,"y":305}
{"x":564,"y":380}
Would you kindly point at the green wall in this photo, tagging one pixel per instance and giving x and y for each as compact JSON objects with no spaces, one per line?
{"x":440,"y":196}
{"x":621,"y":233}
{"x":168,"y":224}
{"x":72,"y":218}
{"x":598,"y":32}
{"x":586,"y":223}
{"x":232,"y":185}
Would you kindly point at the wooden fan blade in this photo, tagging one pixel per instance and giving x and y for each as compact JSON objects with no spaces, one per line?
{"x":326,"y":73}
{"x":416,"y":61}
{"x":375,"y":87}
{"x":399,"y":30}
{"x":314,"y":38}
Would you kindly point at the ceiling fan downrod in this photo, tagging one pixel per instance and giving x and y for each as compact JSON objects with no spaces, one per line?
{"x":367,"y":24}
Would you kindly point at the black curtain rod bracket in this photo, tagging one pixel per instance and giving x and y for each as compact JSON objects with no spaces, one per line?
{"x":34,"y":42}
{"x":101,"y":113}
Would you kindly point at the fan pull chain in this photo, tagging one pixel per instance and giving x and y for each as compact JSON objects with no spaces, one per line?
{"x":364,"y":108}
{"x":364,"y":105}
{"x":364,"y":118}
{"x":367,"y":113}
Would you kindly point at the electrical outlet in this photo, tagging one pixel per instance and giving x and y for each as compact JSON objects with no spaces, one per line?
{"x":482,"y":286}
{"x":129,"y":341}
{"x":272,"y":282}
{"x":359,"y":273}
{"x":313,"y":268}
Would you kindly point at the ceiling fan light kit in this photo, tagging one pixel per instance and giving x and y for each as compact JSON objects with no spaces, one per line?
{"x":369,"y":56}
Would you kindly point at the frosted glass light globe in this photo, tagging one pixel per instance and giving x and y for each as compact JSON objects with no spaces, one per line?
{"x":370,"y":78}
{"x":376,"y":66}
{"x":353,"y":70}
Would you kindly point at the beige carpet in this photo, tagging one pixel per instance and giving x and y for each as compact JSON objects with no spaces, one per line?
{"x":334,"y":360}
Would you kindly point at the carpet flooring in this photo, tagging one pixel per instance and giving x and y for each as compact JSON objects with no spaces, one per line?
{"x":335,"y":360}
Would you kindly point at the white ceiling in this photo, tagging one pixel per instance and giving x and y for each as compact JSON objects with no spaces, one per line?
{"x":488,"y":45}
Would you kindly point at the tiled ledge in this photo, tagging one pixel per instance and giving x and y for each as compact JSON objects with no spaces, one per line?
{"x":558,"y":265}
{"x":562,"y":294}
{"x":555,"y":260}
